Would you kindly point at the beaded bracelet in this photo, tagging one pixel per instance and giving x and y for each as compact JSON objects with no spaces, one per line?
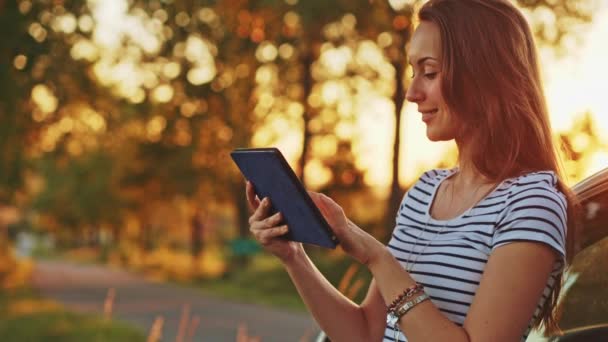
{"x":404,"y":299}
{"x":410,"y":291}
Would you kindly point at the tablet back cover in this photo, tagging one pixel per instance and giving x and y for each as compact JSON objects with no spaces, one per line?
{"x":272,"y":177}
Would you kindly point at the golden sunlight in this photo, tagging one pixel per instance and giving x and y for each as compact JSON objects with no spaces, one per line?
{"x":155,"y":127}
{"x":19,"y":62}
{"x":573,"y":84}
{"x":201,"y":74}
{"x":163,"y":93}
{"x":43,"y":98}
{"x":317,"y":174}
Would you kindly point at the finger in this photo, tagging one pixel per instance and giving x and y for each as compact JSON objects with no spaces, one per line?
{"x":252,"y":198}
{"x":332,"y":205}
{"x":261,"y":211}
{"x":269,"y":222}
{"x":273,"y":220}
{"x":328,"y":207}
{"x":265,"y":236}
{"x":315,"y":197}
{"x":319,"y":200}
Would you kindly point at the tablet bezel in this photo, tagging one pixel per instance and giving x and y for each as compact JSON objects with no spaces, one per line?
{"x":331,"y":241}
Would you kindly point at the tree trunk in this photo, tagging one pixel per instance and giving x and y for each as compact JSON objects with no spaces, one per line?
{"x":307,"y":83}
{"x":396,"y":192}
{"x":197,"y":227}
{"x":242,"y":210}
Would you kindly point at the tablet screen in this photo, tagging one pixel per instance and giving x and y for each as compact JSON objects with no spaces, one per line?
{"x":272,"y":177}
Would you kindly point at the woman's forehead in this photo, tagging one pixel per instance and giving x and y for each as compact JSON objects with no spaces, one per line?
{"x":426,"y":42}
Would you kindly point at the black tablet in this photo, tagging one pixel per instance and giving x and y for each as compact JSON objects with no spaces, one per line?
{"x":272,"y":177}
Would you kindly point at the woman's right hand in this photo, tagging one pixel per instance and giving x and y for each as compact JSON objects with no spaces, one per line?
{"x":266,"y":229}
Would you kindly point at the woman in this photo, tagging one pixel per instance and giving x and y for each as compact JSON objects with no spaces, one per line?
{"x":485,"y":241}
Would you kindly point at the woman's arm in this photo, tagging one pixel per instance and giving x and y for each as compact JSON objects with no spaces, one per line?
{"x":339,"y":317}
{"x":510,"y":288}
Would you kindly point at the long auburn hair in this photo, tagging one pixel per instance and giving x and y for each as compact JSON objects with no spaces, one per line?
{"x":491,"y":82}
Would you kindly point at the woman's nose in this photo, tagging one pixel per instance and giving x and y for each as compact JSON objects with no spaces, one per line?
{"x":414,"y":94}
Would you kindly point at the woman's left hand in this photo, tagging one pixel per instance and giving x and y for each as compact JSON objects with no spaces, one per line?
{"x":354,"y":240}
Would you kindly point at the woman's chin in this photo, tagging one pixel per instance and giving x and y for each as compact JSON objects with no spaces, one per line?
{"x":435,"y":135}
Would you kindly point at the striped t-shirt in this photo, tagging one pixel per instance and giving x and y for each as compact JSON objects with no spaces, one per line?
{"x":450,"y":255}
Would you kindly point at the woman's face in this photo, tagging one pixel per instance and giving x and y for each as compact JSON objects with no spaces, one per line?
{"x":424,"y":55}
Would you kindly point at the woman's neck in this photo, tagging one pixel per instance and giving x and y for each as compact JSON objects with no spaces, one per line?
{"x":468,"y":176}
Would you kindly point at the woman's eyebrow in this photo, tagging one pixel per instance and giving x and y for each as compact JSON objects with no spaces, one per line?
{"x":422,"y":60}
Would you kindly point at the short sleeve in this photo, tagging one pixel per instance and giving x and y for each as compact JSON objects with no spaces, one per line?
{"x":536,"y":211}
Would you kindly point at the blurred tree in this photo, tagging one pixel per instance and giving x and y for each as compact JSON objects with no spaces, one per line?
{"x":581,"y":145}
{"x":196,"y":111}
{"x":323,"y":81}
{"x":66,"y":114}
{"x":300,"y":32}
{"x":39,"y":94}
{"x":12,"y":136}
{"x":17,"y":129}
{"x":79,"y":194}
{"x":315,"y":16}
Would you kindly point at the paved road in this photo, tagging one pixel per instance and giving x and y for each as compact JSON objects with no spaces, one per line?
{"x":84,"y":288}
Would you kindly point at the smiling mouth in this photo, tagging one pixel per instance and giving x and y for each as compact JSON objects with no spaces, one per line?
{"x":428,"y":116}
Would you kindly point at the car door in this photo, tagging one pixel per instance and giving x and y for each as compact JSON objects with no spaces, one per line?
{"x":585,"y":299}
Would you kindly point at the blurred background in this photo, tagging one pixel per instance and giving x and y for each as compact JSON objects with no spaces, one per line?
{"x":118,"y":117}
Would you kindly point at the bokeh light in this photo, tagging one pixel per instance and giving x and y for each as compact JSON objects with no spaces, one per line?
{"x":43,"y":98}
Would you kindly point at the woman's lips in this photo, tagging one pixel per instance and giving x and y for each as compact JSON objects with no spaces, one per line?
{"x":428,"y":116}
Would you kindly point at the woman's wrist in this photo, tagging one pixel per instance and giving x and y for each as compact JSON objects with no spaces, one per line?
{"x":368,"y":248}
{"x":296,"y":255}
{"x":379,"y":254}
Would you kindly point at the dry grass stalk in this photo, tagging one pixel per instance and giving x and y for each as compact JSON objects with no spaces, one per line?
{"x":347,"y":278}
{"x":108,"y":303}
{"x":183,"y":323}
{"x":354,"y":289}
{"x":156,"y":330}
{"x":243,"y":336}
{"x":194,"y":323}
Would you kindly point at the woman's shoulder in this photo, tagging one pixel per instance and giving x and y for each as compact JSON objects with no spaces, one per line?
{"x":435,"y":175}
{"x":541,"y":183}
{"x":543,"y":178}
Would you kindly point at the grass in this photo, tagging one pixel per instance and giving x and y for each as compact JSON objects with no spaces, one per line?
{"x":264,"y":281}
{"x":24,"y":317}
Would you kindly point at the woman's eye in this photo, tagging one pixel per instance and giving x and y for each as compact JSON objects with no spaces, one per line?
{"x":430,"y":75}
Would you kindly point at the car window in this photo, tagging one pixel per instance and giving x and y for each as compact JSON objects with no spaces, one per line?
{"x":586,"y":299}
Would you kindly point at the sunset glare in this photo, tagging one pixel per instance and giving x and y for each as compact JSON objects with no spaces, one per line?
{"x":573,"y":86}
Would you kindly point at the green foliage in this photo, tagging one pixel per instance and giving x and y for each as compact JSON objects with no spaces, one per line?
{"x":265,"y":281}
{"x":14,"y":128}
{"x":80,"y":191}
